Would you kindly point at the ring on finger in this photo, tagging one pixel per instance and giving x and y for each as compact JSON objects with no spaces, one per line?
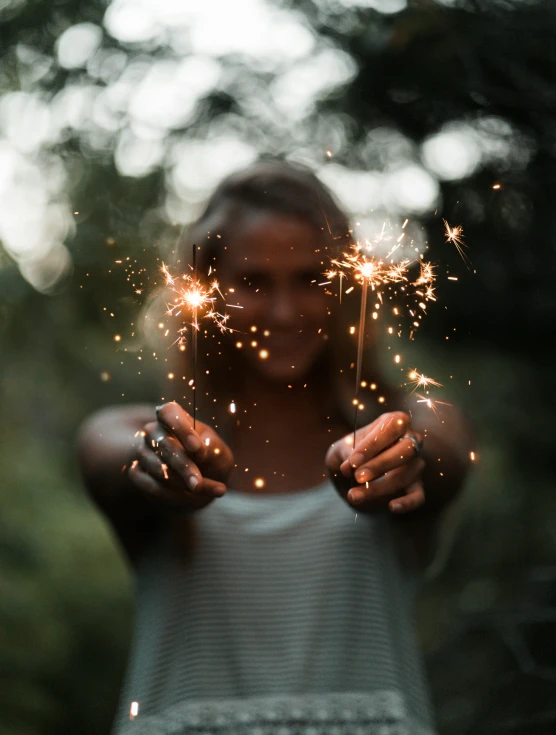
{"x":417,"y":443}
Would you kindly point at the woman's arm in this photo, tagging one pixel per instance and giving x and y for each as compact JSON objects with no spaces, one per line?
{"x":139,"y":464}
{"x":447,"y":444}
{"x":107,"y":443}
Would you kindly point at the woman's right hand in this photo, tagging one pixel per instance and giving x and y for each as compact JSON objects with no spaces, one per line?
{"x":178,"y":466}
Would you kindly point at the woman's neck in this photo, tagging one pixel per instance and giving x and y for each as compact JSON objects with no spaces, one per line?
{"x":281,"y":435}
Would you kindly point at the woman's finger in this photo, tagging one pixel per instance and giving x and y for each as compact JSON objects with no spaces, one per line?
{"x":151,"y":463}
{"x":386,"y":430}
{"x":145,"y":482}
{"x":156,"y":491}
{"x":217,"y":459}
{"x":169,"y":450}
{"x":203,"y":445}
{"x":179,"y":422}
{"x":211,"y":487}
{"x":388,"y":486}
{"x":413,"y":499}
{"x":338,"y":454}
{"x":400,"y":453}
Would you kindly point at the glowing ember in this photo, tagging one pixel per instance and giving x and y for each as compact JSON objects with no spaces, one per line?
{"x":378,"y":275}
{"x":433,"y":405}
{"x":421,"y":381}
{"x":455,"y":236}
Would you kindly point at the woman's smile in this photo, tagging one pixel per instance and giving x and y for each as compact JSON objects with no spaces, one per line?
{"x":287,"y":309}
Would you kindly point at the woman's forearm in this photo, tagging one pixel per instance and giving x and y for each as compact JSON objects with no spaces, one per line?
{"x":447,"y":445}
{"x":106,"y":444}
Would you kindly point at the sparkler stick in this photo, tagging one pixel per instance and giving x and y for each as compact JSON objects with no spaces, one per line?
{"x":195,"y":331}
{"x":360,"y":341}
{"x":455,"y":236}
{"x":190,"y":294}
{"x":369,"y":270}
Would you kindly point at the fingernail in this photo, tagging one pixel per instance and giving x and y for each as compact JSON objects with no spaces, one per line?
{"x":396,"y":507}
{"x":193,"y":443}
{"x":193,"y":482}
{"x":159,"y":408}
{"x":345,"y":469}
{"x":363,"y":475}
{"x":357,"y":459}
{"x":355,"y":496}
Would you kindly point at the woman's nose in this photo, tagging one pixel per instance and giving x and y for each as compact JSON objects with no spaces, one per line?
{"x":283,"y":307}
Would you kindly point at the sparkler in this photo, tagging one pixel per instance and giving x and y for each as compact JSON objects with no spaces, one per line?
{"x":455,"y":236}
{"x":369,"y":272}
{"x":433,"y":405}
{"x":191,"y":295}
{"x":421,"y":381}
{"x":375,"y":274}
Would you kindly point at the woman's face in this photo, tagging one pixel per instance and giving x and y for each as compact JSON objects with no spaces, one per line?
{"x":271,"y":267}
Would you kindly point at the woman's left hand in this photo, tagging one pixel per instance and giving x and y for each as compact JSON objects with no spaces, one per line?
{"x":383,"y":469}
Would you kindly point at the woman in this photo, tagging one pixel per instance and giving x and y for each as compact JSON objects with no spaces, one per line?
{"x":272,"y":599}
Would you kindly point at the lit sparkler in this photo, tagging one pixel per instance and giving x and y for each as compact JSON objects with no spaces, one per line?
{"x":455,"y":236}
{"x":376,"y":273}
{"x":433,"y":405}
{"x":421,"y":381}
{"x":199,"y":300}
{"x":370,"y":272}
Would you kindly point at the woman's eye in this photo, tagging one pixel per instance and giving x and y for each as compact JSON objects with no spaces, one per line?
{"x":254,"y":280}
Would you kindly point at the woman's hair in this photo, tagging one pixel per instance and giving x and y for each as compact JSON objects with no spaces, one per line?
{"x":291,"y":190}
{"x":272,"y":186}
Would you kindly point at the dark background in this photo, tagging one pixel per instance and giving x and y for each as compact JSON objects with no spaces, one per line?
{"x":487,"y":611}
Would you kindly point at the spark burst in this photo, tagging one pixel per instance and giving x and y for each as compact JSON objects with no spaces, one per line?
{"x":196,"y":299}
{"x":433,"y":405}
{"x":418,"y":380}
{"x":376,"y":273}
{"x":190,"y":295}
{"x":455,"y":236}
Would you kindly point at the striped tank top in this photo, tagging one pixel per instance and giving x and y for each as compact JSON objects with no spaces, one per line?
{"x":277,"y":615}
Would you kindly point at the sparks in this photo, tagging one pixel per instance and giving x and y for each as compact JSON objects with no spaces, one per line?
{"x":421,"y":381}
{"x":426,"y":275}
{"x":455,"y":236}
{"x":191,"y":295}
{"x":433,"y":405}
{"x":377,"y":275}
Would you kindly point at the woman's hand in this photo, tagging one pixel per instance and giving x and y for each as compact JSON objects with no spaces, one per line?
{"x":178,"y":466}
{"x":383,"y":469}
